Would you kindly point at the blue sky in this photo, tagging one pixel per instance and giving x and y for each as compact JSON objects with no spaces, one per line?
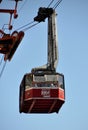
{"x":72,"y":20}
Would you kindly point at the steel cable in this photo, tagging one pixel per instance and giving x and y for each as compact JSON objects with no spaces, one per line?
{"x":24,"y":26}
{"x":1,"y":60}
{"x":56,"y":5}
{"x":2,"y":70}
{"x":25,"y":29}
{"x":50,"y":4}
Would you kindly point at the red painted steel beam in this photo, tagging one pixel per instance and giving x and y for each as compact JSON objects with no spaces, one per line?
{"x":7,"y":11}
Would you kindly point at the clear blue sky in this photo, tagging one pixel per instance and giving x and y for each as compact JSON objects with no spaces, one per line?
{"x":72,"y":20}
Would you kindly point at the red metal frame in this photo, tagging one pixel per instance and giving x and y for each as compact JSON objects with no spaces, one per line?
{"x":9,"y":44}
{"x":10,"y":11}
{"x":16,"y":41}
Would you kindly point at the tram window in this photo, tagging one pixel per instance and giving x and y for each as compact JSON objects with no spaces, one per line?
{"x":35,"y":85}
{"x":28,"y":81}
{"x":44,"y":85}
{"x":61,"y":81}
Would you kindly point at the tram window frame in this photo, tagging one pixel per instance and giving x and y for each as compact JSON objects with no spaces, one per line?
{"x":61,"y":81}
{"x":28,"y":81}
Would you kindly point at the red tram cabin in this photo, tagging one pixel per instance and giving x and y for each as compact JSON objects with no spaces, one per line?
{"x":41,"y":94}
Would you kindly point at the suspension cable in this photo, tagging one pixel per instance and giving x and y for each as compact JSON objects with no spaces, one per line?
{"x":56,"y":5}
{"x":50,"y":4}
{"x":24,"y":26}
{"x":1,"y":60}
{"x":2,"y":70}
{"x":25,"y":29}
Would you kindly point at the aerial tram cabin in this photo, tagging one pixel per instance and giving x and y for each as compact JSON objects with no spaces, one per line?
{"x":42,"y":93}
{"x":43,"y":90}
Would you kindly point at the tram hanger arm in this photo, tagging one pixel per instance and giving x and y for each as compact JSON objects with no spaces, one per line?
{"x":52,"y":53}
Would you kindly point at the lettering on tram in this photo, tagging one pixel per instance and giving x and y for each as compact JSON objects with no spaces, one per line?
{"x":45,"y":93}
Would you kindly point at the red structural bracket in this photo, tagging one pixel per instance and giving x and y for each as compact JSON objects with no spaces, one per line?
{"x":7,"y":11}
